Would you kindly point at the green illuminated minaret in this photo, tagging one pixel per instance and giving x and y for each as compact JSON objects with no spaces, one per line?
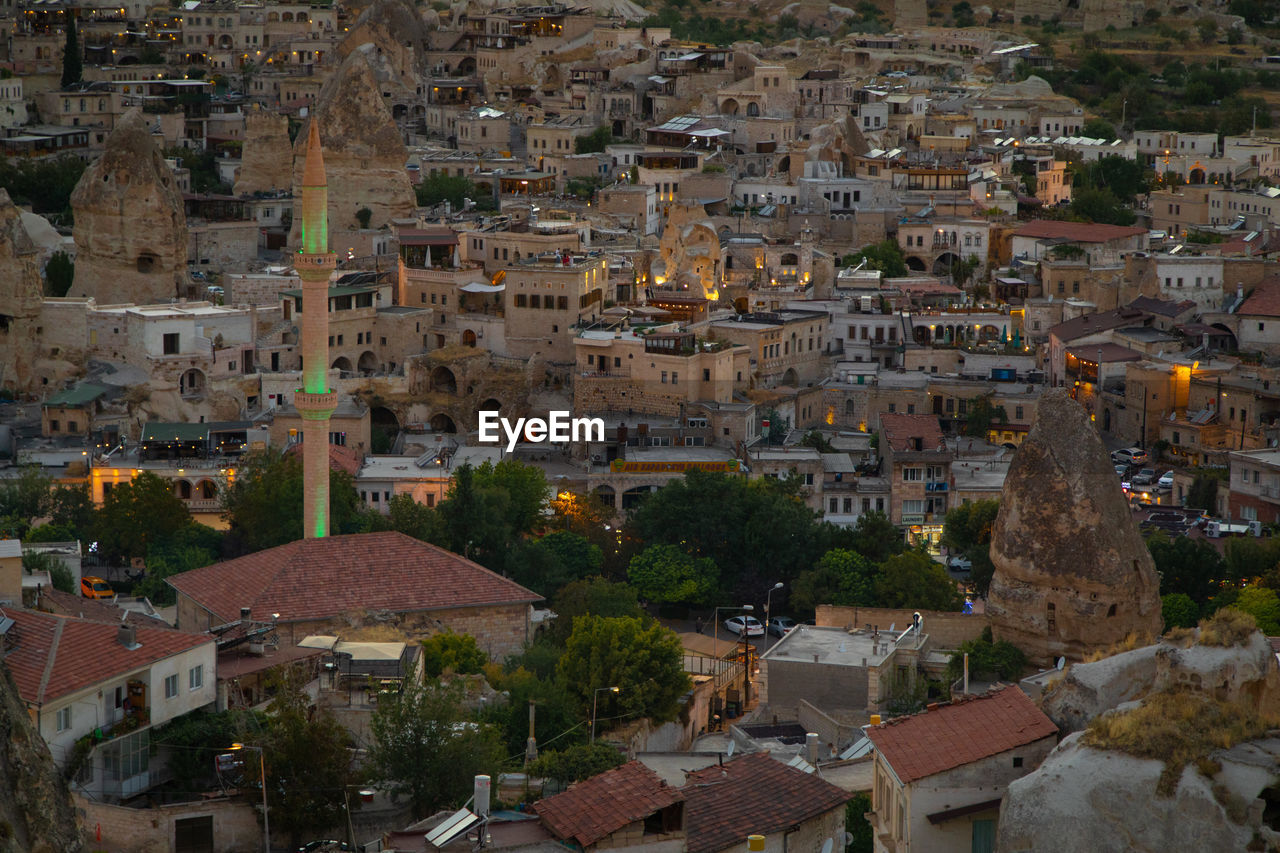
{"x":315,"y":400}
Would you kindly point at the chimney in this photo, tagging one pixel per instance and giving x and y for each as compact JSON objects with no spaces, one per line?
{"x":127,"y":636}
{"x":482,"y":796}
{"x":811,"y":747}
{"x":244,"y":613}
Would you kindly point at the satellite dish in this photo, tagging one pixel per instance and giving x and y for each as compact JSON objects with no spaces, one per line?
{"x":1061,"y":663}
{"x":729,"y":751}
{"x":827,"y":845}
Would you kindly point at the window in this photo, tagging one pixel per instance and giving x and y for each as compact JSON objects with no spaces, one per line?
{"x":171,"y":343}
{"x":171,"y":686}
{"x":64,"y":719}
{"x":195,"y":677}
{"x":1017,"y":761}
{"x":911,"y":475}
{"x":913,"y":507}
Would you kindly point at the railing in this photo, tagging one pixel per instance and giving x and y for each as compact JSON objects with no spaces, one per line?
{"x":613,"y":373}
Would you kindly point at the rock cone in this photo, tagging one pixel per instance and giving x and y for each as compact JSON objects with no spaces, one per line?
{"x":265,"y":163}
{"x":1072,"y":574}
{"x":21,"y":286}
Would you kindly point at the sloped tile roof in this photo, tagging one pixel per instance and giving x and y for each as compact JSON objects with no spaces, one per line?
{"x":899,"y":429}
{"x":749,"y":795}
{"x":69,"y":604}
{"x":52,"y":656}
{"x":322,"y":578}
{"x":1264,"y":301}
{"x":958,"y":733}
{"x":603,"y":804}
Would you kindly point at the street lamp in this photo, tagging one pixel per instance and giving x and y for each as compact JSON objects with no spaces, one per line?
{"x":767,"y":596}
{"x":595,"y":697}
{"x":262,"y":770}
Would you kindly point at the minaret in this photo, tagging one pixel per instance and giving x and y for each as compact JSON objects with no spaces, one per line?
{"x":315,"y":400}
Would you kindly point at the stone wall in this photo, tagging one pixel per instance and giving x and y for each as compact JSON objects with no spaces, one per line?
{"x":824,"y":685}
{"x":832,"y":734}
{"x":605,"y":394}
{"x":130,"y":830}
{"x":946,"y":630}
{"x":223,"y":244}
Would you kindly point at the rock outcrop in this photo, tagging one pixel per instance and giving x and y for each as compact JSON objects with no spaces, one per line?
{"x":400,"y":41}
{"x":1072,"y":574}
{"x":265,"y":161}
{"x":364,"y":156}
{"x":131,"y":229}
{"x":36,"y":812}
{"x":21,"y":289}
{"x":1085,"y":800}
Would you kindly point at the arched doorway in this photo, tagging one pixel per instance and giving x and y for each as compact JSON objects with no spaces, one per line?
{"x":729,"y":107}
{"x":368,"y":363}
{"x":915,"y":264}
{"x":182,"y":488}
{"x":631,"y":497}
{"x":207,"y":490}
{"x":442,"y":423}
{"x":384,"y":428}
{"x":342,"y":363}
{"x":790,"y":377}
{"x":942,"y":266}
{"x":468,"y":338}
{"x":191,"y":383}
{"x":442,"y":379}
{"x":489,"y":405}
{"x":606,"y":496}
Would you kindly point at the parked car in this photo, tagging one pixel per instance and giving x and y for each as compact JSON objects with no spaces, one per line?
{"x":780,"y":626}
{"x":1130,"y":456}
{"x":95,"y":587}
{"x":1145,"y":477}
{"x":1165,"y":483}
{"x":750,"y":624}
{"x":324,"y":847}
{"x":959,"y":564}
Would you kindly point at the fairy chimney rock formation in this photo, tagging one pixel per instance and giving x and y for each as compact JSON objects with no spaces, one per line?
{"x":130,"y":226}
{"x":1072,"y":574}
{"x":265,"y":164}
{"x":364,"y":155}
{"x":21,"y":287}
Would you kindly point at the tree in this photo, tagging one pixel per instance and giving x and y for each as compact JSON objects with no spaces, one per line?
{"x":477,"y":523}
{"x":967,"y":531}
{"x":1203,"y":493}
{"x":1248,"y":559}
{"x":665,"y":574}
{"x":577,"y":762}
{"x":646,"y":662}
{"x":1189,"y":566}
{"x":59,"y":574}
{"x":1101,"y":206}
{"x":877,"y":538}
{"x":263,"y":505}
{"x":424,"y":750}
{"x":307,"y":755}
{"x":72,"y":63}
{"x":526,"y":489}
{"x":885,"y":256}
{"x":1097,"y":128}
{"x":557,"y":559}
{"x":138,"y":514}
{"x":191,"y":742}
{"x":914,"y":580}
{"x":982,"y":414}
{"x":862,"y":837}
{"x":190,"y":547}
{"x":988,"y":659}
{"x":450,"y":652}
{"x":1124,"y":178}
{"x":439,"y":188}
{"x":59,"y":273}
{"x":405,"y":515}
{"x":1179,"y":611}
{"x":363,"y":215}
{"x":46,"y":185}
{"x":841,"y":577}
{"x":594,"y":142}
{"x":1263,"y":605}
{"x":556,"y":716}
{"x":592,"y":597}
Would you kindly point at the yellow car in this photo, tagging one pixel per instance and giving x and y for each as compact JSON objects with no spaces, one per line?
{"x":92,"y":587}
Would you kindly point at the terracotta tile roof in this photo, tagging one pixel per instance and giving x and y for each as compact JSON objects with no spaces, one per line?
{"x":958,"y":733}
{"x":52,"y":656}
{"x":1077,"y":232}
{"x":1264,"y":301}
{"x":899,"y":429}
{"x":340,"y":458}
{"x":752,"y":794}
{"x":69,"y":604}
{"x":1099,"y":321}
{"x":321,"y":578}
{"x":1163,"y":307}
{"x":603,"y":804}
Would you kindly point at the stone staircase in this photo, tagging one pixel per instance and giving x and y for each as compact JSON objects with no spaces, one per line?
{"x":268,"y":338}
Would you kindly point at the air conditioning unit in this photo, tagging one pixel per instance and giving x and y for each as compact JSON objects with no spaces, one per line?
{"x":1213,"y":529}
{"x":1255,"y":528}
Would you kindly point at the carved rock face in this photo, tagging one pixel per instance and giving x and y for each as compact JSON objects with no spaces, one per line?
{"x":20,"y":294}
{"x":266,"y":163}
{"x":130,"y":228}
{"x":1072,"y":573}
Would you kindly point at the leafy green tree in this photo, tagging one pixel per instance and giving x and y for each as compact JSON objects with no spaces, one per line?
{"x":26,"y":496}
{"x":885,"y":256}
{"x":982,"y":415}
{"x":667,"y":575}
{"x":264,"y":504}
{"x":72,"y":63}
{"x":577,"y":762}
{"x":450,"y":652}
{"x":592,"y":597}
{"x":59,"y":574}
{"x":1186,"y":565}
{"x":1002,"y":660}
{"x":191,"y":742}
{"x":439,"y":188}
{"x":424,"y":749}
{"x":967,"y":531}
{"x":841,"y":577}
{"x":862,"y":837}
{"x":1263,"y":605}
{"x":557,"y":719}
{"x":136,"y":515}
{"x":1203,"y":493}
{"x":914,"y":580}
{"x":645,"y":661}
{"x":59,"y":273}
{"x":877,"y":538}
{"x":1247,"y":559}
{"x":1097,"y":128}
{"x":594,"y":142}
{"x":1124,"y":178}
{"x":477,"y":520}
{"x":1101,"y":206}
{"x":1179,"y":611}
{"x":307,"y":756}
{"x":46,"y":185}
{"x":526,"y":488}
{"x":566,"y":557}
{"x":405,"y":515}
{"x":190,"y":547}
{"x":71,"y":507}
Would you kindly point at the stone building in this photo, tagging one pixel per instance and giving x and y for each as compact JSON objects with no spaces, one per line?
{"x":1072,"y":574}
{"x":131,"y":230}
{"x":325,"y":586}
{"x":266,"y":157}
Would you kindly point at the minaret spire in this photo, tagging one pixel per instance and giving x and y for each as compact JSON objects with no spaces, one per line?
{"x":315,"y":401}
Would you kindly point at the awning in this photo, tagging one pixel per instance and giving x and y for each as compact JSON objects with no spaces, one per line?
{"x":654,"y":78}
{"x":687,"y":57}
{"x":951,"y":814}
{"x":318,"y":641}
{"x":370,"y":651}
{"x":710,"y":132}
{"x":480,"y":287}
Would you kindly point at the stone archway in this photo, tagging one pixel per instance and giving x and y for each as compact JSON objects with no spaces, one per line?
{"x":182,"y":489}
{"x":942,"y":266}
{"x":368,"y":363}
{"x":207,"y":490}
{"x":729,"y":107}
{"x":191,"y":383}
{"x":341,"y":363}
{"x":384,"y":428}
{"x":442,"y":379}
{"x":606,"y":496}
{"x":915,"y":264}
{"x":442,"y":423}
{"x":791,"y":378}
{"x":468,"y":338}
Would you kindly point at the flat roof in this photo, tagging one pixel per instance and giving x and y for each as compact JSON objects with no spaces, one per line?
{"x":833,"y":646}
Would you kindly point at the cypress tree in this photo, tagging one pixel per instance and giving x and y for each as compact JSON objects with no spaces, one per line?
{"x":72,"y":65}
